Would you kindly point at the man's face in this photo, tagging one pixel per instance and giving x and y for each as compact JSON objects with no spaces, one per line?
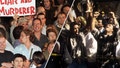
{"x":2,"y":44}
{"x":61,"y":18}
{"x":37,"y":27}
{"x":43,"y":19}
{"x":46,"y":3}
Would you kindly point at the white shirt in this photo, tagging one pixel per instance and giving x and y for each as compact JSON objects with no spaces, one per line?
{"x":91,"y":46}
{"x":21,"y":49}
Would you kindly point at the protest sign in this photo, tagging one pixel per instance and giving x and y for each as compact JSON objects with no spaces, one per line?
{"x":19,"y":7}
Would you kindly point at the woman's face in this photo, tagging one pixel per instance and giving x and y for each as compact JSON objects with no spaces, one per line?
{"x":23,"y":37}
{"x":51,"y":36}
{"x":76,"y":29}
{"x":18,"y":62}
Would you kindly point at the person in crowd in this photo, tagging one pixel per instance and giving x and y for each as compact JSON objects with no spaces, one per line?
{"x":21,"y":21}
{"x":100,"y":25}
{"x":107,"y":42}
{"x":50,"y":11}
{"x":38,"y":60}
{"x":29,"y":22}
{"x":76,"y":47}
{"x":16,"y":33}
{"x":52,"y":35}
{"x":9,"y":47}
{"x":91,"y":48}
{"x":52,"y":53}
{"x":39,"y":38}
{"x":48,"y":49}
{"x":52,"y":49}
{"x":60,"y":21}
{"x":42,"y":17}
{"x":18,"y":61}
{"x":27,"y":48}
{"x":41,"y":9}
{"x":65,"y":8}
{"x":5,"y":56}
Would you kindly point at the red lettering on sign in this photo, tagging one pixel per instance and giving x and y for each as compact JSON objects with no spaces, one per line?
{"x":24,"y":10}
{"x":26,"y":1}
{"x":32,"y":9}
{"x":2,"y":10}
{"x":12,"y":11}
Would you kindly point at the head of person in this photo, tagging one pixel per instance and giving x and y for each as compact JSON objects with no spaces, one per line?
{"x":61,"y":18}
{"x":2,"y":40}
{"x":41,"y":9}
{"x":47,"y":4}
{"x":17,"y":31}
{"x":23,"y":22}
{"x":38,"y":58}
{"x":74,"y":28}
{"x":26,"y":36}
{"x":18,"y":61}
{"x":65,"y":8}
{"x":51,"y":34}
{"x":109,"y":27}
{"x":96,"y":14}
{"x":41,"y":16}
{"x":37,"y":25}
{"x":50,"y":46}
{"x":100,"y":22}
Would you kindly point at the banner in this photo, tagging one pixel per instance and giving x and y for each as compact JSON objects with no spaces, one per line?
{"x":19,"y":7}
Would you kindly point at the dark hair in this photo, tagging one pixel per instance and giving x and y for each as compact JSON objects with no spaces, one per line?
{"x":17,"y":31}
{"x":40,"y":14}
{"x":19,"y":55}
{"x":72,"y":26}
{"x":38,"y":57}
{"x":51,"y":3}
{"x":2,"y":33}
{"x":36,"y":19}
{"x":65,"y":5}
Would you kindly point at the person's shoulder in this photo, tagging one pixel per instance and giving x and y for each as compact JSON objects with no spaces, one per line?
{"x":19,"y":47}
{"x":8,"y":52}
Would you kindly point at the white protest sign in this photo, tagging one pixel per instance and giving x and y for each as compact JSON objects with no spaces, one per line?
{"x":19,"y":7}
